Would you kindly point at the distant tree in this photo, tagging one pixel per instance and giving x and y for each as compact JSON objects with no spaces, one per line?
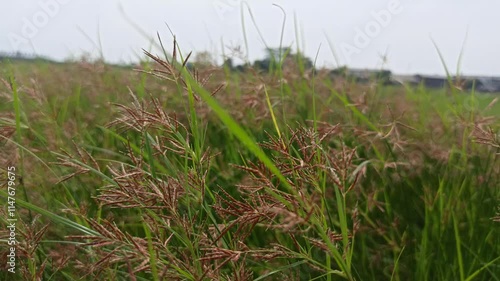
{"x":340,"y":71}
{"x":303,"y":61}
{"x":204,"y":59}
{"x":242,"y":67}
{"x":228,"y":64}
{"x":264,"y":65}
{"x":273,"y":59}
{"x":276,"y":54}
{"x":383,"y":76}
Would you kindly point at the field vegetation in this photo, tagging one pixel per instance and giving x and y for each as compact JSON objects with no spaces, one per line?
{"x":170,"y":172}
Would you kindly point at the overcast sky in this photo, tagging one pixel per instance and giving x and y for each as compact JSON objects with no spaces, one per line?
{"x":394,"y":34}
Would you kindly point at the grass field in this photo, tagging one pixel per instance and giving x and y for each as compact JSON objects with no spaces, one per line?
{"x":169,"y":174}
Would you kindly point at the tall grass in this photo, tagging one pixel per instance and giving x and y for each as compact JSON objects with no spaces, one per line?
{"x":164,"y":174}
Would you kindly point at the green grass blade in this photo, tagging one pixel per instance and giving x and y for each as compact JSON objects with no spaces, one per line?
{"x":459,"y":249}
{"x":55,"y":218}
{"x":283,"y":268}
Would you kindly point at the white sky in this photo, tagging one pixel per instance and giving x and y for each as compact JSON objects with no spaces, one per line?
{"x":68,"y":28}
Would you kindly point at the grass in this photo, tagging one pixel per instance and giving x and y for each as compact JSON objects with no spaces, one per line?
{"x":164,"y":174}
